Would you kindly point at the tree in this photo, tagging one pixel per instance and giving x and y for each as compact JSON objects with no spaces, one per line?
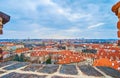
{"x":48,"y":61}
{"x":16,"y":58}
{"x":89,"y":51}
{"x":22,"y":58}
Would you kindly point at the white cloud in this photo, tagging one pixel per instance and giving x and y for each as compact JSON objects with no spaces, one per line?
{"x":67,"y":12}
{"x":95,"y":26}
{"x":43,"y":32}
{"x":48,"y":19}
{"x":72,"y":30}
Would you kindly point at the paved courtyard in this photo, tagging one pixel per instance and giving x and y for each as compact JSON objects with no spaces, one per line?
{"x":13,"y":69}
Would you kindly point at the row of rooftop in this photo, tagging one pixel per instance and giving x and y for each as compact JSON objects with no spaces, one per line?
{"x":71,"y":53}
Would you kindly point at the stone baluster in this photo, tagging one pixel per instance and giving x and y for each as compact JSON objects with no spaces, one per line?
{"x":118,"y":26}
{"x":116,"y":10}
{"x":1,"y":25}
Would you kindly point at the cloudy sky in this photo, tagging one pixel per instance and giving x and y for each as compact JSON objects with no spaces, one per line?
{"x":59,"y":19}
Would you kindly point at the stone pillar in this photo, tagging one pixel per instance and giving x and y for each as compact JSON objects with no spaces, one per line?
{"x":118,"y":26}
{"x":1,"y":32}
{"x":1,"y":25}
{"x":3,"y":20}
{"x":116,"y":10}
{"x":1,"y":57}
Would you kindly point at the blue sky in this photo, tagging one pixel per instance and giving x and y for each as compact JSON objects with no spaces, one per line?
{"x":59,"y":19}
